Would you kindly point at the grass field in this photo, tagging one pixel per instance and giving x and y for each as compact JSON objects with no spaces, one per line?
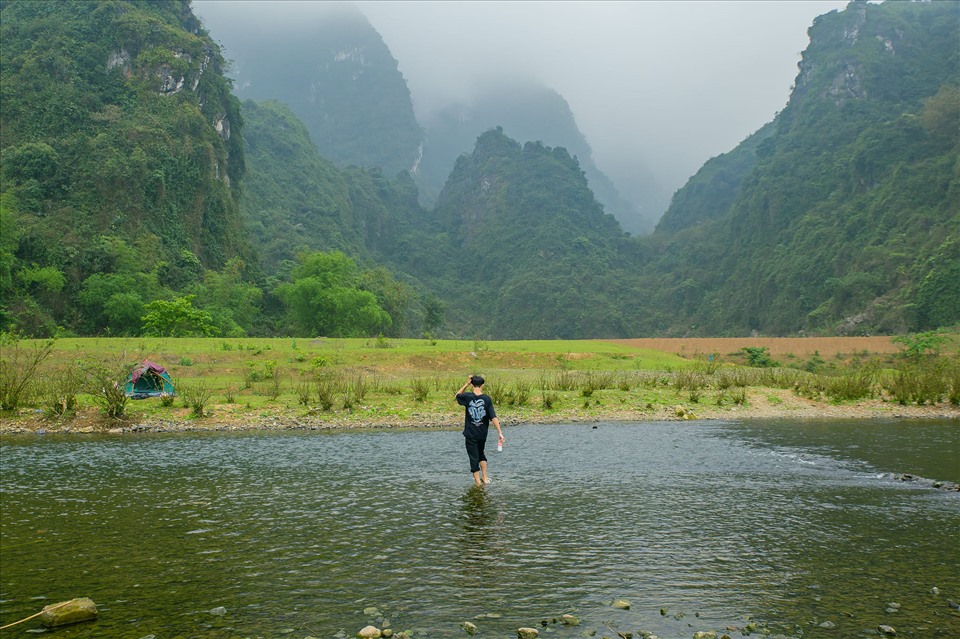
{"x":409,"y":382}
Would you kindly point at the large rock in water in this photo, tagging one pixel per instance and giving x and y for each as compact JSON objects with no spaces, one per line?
{"x":73,"y":611}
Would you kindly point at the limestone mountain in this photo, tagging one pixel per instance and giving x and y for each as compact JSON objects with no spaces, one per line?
{"x":532,"y":254}
{"x":333,"y":70}
{"x":843,"y":214}
{"x":525,"y":112}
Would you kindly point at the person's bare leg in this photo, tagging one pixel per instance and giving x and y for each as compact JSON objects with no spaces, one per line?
{"x":483,"y":471}
{"x":476,"y":476}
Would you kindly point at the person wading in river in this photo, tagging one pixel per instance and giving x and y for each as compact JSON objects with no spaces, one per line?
{"x":478,"y":415}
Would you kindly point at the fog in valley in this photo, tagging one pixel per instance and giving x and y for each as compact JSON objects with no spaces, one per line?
{"x":657,"y":88}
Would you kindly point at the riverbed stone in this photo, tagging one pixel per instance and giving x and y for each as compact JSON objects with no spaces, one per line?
{"x":67,"y":612}
{"x":369,"y":632}
{"x":527,"y":633}
{"x":708,"y":634}
{"x":569,"y":620}
{"x":888,"y":631}
{"x":621,"y":604}
{"x":829,"y":625}
{"x":469,"y":628}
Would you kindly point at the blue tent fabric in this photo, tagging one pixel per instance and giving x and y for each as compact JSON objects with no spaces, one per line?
{"x":148,"y":379}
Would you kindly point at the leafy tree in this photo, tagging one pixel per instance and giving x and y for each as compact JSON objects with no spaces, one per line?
{"x":324,"y":298}
{"x":177,"y":318}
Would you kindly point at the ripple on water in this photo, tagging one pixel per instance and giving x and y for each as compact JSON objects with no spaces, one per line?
{"x":305,"y":530}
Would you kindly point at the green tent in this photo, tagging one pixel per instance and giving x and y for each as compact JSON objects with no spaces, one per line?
{"x":148,"y":380}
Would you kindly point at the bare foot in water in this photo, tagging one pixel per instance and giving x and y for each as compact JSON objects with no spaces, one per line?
{"x":486,"y":480}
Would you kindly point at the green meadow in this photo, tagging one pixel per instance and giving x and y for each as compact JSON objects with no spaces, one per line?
{"x":74,"y":382}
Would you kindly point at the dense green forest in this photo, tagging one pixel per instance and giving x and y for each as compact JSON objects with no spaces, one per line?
{"x":121,"y":159}
{"x":140,"y":196}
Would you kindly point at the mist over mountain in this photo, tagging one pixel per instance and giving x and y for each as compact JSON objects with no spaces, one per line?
{"x":334,"y":72}
{"x":525,"y":112}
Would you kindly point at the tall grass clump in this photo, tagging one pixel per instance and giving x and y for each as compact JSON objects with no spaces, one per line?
{"x":518,"y":394}
{"x":18,"y":368}
{"x":691,"y":380}
{"x":850,"y":385}
{"x":325,"y":389}
{"x":304,"y":391}
{"x":924,"y":381}
{"x":421,"y":389}
{"x":953,"y":377}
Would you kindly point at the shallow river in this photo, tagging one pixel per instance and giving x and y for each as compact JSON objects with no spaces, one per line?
{"x":802,"y":527}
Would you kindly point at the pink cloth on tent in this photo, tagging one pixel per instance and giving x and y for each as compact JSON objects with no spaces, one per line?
{"x":147,"y":367}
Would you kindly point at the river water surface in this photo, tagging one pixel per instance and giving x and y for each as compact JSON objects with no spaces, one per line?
{"x":803,"y":527}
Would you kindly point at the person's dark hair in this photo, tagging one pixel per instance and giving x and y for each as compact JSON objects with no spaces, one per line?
{"x":476,"y":380}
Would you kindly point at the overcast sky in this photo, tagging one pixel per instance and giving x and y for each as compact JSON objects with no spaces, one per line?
{"x":672,"y":83}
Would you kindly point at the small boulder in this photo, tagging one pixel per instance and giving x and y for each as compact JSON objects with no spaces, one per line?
{"x":569,"y":620}
{"x":527,"y":633}
{"x":621,"y":604}
{"x":67,"y":612}
{"x":369,"y":632}
{"x":469,"y":628}
{"x":886,"y":630}
{"x":709,"y":634}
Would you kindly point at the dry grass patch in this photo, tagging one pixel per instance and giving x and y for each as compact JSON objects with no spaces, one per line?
{"x":779,"y":347}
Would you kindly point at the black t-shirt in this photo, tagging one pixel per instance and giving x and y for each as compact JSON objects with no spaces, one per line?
{"x":479,"y":411}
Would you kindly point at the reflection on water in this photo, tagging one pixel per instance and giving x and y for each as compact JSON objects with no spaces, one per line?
{"x":293,"y":534}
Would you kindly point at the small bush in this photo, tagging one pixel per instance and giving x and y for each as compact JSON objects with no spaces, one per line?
{"x":104,"y":387}
{"x":197,"y":395}
{"x":758,"y":356}
{"x":18,"y":366}
{"x":275,"y":385}
{"x":421,"y":389}
{"x":61,"y":387}
{"x":230,"y":394}
{"x":167,"y":399}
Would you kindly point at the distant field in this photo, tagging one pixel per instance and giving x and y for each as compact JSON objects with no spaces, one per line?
{"x":780,"y":347}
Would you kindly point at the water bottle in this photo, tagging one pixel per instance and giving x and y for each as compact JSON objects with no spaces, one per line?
{"x":499,"y":447}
